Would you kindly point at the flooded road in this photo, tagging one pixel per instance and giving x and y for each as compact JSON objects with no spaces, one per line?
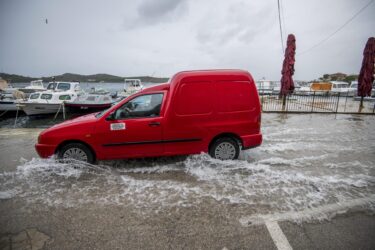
{"x":305,"y":162}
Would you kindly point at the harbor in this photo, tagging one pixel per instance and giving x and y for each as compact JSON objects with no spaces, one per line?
{"x":182,"y":124}
{"x":76,"y":98}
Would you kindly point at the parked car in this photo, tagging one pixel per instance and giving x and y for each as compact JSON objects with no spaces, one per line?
{"x":217,"y":112}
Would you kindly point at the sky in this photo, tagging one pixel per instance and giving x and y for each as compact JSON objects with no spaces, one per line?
{"x":161,"y":37}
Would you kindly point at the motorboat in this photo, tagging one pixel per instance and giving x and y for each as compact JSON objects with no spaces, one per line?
{"x":353,"y":89}
{"x":52,"y":100}
{"x":95,"y":100}
{"x":267,"y":87}
{"x":35,"y":86}
{"x":315,"y":88}
{"x":341,"y":88}
{"x":131,"y":86}
{"x":8,"y":102}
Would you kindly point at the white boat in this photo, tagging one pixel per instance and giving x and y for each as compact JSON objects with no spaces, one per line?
{"x":8,"y":102}
{"x":341,"y":88}
{"x":35,"y":86}
{"x":315,"y":88}
{"x":95,"y":100}
{"x":353,"y":89}
{"x":51,"y":100}
{"x":267,"y":87}
{"x":131,"y":86}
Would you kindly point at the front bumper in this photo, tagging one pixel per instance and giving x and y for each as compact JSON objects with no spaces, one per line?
{"x":44,"y":150}
{"x":251,"y":141}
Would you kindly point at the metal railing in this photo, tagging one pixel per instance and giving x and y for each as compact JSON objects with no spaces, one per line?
{"x":315,"y":102}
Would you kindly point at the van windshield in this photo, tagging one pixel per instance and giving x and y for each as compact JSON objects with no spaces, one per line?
{"x":101,"y":113}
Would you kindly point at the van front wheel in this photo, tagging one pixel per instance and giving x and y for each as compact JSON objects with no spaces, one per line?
{"x":225,"y":148}
{"x":76,"y":151}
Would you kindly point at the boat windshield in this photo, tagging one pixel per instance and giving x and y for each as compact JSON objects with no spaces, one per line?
{"x":34,"y":96}
{"x":36,"y":84}
{"x":63,"y":86}
{"x":51,"y":86}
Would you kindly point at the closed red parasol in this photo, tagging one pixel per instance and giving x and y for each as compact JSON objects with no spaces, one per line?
{"x":366,"y":76}
{"x":287,"y":84}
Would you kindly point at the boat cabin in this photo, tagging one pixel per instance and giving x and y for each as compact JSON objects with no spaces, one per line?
{"x":64,"y":86}
{"x":52,"y":97}
{"x":133,"y":82}
{"x":36,"y":84}
{"x":340,"y":87}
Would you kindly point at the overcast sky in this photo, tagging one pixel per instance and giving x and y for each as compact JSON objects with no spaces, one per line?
{"x":162,"y":37}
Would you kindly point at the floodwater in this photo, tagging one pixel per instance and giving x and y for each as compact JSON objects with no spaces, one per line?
{"x":305,"y":161}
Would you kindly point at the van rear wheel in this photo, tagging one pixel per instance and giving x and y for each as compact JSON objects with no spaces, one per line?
{"x":225,"y":148}
{"x":76,"y":151}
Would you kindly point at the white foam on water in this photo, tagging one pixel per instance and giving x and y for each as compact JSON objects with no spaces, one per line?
{"x":8,"y":194}
{"x":261,"y":184}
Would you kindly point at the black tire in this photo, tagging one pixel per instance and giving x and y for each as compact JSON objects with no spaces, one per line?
{"x":81,"y":150}
{"x":232,"y":149}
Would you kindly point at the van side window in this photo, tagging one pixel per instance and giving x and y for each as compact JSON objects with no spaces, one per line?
{"x":142,"y":106}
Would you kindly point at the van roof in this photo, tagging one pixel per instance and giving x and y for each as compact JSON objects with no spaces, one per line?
{"x":229,"y":74}
{"x":213,"y":72}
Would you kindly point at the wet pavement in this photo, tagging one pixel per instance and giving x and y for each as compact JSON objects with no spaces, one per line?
{"x":313,"y":180}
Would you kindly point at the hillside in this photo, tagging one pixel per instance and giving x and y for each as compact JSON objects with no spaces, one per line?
{"x":339,"y":77}
{"x":81,"y":78}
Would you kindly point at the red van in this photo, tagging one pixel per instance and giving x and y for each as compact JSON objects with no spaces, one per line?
{"x":213,"y":111}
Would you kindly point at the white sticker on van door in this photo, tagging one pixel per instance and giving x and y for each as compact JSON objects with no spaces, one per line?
{"x":118,"y":126}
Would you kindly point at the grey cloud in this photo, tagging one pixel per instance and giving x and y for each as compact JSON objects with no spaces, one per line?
{"x":165,"y":36}
{"x":152,"y":12}
{"x":241,"y":21}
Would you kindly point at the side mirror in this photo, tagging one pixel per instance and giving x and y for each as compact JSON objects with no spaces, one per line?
{"x":111,"y":116}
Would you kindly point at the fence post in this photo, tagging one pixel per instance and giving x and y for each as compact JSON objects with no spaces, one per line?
{"x":337,"y":104}
{"x":284,"y":103}
{"x":313,"y":102}
{"x":346,"y":100}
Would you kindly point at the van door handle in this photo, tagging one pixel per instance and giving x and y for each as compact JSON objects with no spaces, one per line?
{"x":154,"y":124}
